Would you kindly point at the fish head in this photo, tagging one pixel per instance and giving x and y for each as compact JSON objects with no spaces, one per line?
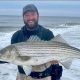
{"x":7,"y":53}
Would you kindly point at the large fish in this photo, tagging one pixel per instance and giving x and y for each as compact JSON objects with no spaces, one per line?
{"x":40,"y":52}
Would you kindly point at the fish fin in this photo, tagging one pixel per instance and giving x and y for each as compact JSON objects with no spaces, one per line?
{"x":67,"y":63}
{"x":27,"y":69}
{"x":59,"y":38}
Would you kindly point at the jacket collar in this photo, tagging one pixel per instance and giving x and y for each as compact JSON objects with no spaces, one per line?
{"x":28,"y":32}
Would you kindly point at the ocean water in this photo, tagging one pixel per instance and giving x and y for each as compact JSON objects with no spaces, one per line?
{"x":68,"y":27}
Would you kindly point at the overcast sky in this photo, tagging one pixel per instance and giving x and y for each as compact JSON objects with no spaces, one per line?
{"x":46,"y":8}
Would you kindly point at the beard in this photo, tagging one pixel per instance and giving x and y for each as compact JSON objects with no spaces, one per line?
{"x":31,"y":26}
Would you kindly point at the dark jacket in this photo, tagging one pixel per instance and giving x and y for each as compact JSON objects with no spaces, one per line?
{"x":24,"y":34}
{"x":43,"y":34}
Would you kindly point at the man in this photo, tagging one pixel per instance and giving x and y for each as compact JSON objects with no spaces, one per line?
{"x":32,"y":28}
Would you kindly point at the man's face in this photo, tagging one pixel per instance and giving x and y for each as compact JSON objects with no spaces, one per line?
{"x":31,"y":19}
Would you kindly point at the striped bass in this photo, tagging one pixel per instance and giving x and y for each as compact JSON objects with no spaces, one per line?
{"x":40,"y":52}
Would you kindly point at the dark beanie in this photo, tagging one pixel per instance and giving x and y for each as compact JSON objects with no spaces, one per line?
{"x":30,"y":7}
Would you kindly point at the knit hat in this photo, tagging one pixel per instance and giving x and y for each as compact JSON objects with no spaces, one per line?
{"x":30,"y":7}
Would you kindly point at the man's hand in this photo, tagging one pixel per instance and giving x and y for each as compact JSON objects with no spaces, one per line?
{"x":54,"y":62}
